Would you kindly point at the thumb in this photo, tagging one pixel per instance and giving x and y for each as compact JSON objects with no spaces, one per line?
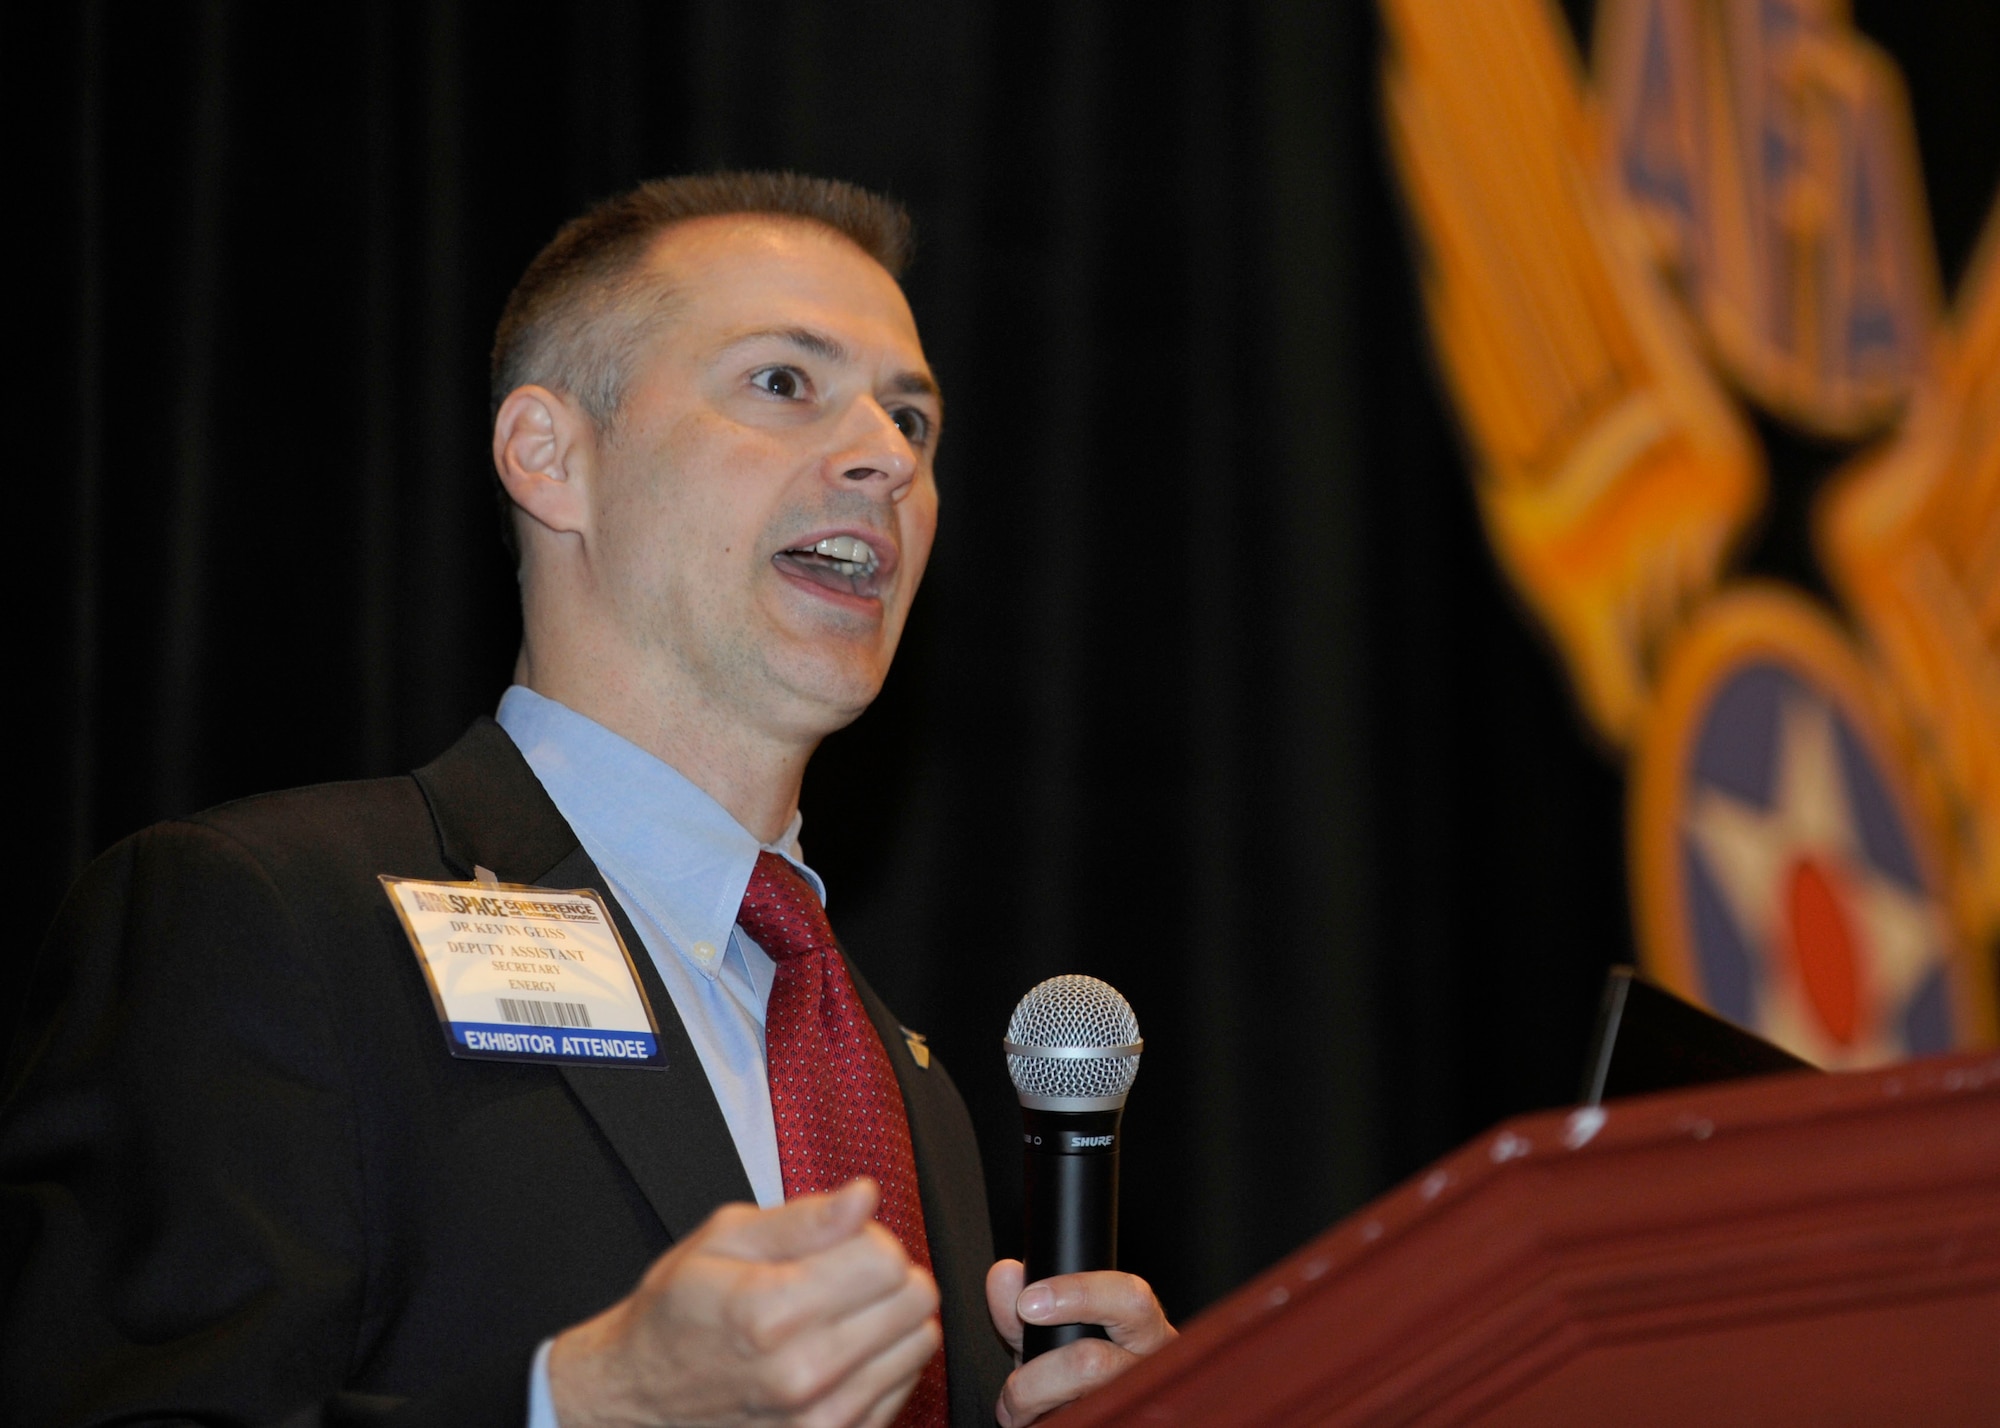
{"x":799,"y":1227}
{"x":1003,"y":1290}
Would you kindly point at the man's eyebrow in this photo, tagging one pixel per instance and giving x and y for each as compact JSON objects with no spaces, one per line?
{"x":830,"y":349}
{"x":816,"y":344}
{"x":915,"y":384}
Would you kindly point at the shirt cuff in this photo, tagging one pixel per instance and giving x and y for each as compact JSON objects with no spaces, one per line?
{"x":541,"y":1406}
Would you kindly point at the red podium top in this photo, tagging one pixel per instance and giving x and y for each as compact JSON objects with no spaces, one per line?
{"x":1796,"y":1249}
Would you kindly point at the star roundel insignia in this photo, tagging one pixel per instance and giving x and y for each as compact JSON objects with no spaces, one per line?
{"x":1784,"y":877}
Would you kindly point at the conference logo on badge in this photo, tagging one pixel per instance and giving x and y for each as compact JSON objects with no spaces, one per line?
{"x":1727,"y":214}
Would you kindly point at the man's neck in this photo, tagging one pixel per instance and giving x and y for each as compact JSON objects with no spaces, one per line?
{"x":756,"y":779}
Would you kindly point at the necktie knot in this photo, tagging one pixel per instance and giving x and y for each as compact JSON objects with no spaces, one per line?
{"x":781,"y":912}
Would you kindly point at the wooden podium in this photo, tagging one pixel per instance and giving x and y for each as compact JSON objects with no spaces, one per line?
{"x":1798,"y":1249}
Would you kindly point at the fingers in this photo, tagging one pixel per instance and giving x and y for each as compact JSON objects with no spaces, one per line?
{"x":792,"y":1230}
{"x":1003,"y":1288}
{"x":1122,"y":1303}
{"x":897,"y":1370}
{"x":1059,"y":1376}
{"x":876,"y":1393}
{"x":772,"y":1303}
{"x":810,"y":1314}
{"x":842,"y":1378}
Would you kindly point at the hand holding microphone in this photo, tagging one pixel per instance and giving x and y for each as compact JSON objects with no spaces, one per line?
{"x":1073,"y":1051}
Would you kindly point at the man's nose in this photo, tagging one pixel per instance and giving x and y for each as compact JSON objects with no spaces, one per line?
{"x":873,"y":449}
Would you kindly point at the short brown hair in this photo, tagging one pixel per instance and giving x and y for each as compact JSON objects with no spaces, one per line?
{"x":561,"y":324}
{"x":579,"y":313}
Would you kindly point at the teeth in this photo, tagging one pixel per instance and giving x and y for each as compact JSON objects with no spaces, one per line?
{"x":849,"y":549}
{"x":851,"y":555}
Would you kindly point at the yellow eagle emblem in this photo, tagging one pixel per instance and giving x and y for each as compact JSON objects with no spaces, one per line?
{"x":1725,"y":214}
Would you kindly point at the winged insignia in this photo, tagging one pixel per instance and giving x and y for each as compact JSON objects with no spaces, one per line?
{"x":1724,"y":215}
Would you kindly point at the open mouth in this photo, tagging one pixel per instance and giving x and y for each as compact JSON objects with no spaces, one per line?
{"x":844,"y":564}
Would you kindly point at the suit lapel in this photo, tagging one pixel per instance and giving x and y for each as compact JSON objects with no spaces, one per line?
{"x":665,"y":1125}
{"x":952,"y":1186}
{"x":492,"y":812}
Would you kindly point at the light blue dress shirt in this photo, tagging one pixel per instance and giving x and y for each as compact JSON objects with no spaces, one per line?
{"x":678,"y":863}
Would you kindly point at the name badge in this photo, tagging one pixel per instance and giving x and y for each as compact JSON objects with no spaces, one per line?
{"x":527,"y":974}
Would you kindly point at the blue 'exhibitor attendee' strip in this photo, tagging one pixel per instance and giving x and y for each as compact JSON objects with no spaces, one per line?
{"x":518,"y":1043}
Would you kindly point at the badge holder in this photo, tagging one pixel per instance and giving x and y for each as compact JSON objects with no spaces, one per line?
{"x":522,"y":973}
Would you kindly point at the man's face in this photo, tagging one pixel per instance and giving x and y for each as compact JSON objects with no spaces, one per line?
{"x":767,"y":503}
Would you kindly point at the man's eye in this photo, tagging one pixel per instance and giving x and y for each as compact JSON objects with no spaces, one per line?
{"x":786,"y":382}
{"x":914,"y":425}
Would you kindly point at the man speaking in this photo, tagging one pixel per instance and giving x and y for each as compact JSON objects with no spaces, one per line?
{"x":303,"y":1125}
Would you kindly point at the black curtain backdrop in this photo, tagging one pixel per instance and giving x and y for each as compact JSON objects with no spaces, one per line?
{"x":1213,"y":691}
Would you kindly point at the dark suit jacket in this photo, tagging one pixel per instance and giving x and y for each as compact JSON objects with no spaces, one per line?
{"x":244,"y":1180}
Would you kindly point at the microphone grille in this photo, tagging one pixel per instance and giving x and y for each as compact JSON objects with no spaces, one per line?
{"x":1073,"y":1014}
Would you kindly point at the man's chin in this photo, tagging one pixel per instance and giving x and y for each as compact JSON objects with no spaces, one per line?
{"x":828,"y":659}
{"x":830,"y":693}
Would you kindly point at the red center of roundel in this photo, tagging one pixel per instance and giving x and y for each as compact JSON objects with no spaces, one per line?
{"x":1823,"y":949}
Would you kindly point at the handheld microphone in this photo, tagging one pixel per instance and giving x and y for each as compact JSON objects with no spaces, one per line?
{"x":1073,"y":1050}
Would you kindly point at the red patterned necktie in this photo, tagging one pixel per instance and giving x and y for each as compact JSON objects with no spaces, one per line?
{"x":834,"y":1096}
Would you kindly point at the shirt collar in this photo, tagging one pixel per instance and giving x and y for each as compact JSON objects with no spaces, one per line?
{"x":645,"y":824}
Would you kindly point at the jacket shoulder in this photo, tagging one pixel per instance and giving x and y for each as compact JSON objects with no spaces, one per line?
{"x":420,"y":824}
{"x":328,"y":823}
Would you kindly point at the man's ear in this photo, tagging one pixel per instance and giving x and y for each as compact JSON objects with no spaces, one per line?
{"x":542,"y":448}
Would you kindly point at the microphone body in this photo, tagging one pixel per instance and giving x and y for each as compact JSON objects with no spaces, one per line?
{"x":1072,"y":1050}
{"x":1072,"y":1203}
